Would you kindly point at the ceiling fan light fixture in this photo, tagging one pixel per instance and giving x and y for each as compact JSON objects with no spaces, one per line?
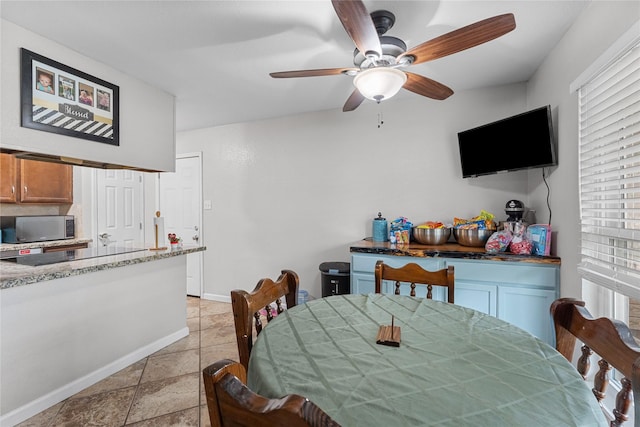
{"x":379,"y":83}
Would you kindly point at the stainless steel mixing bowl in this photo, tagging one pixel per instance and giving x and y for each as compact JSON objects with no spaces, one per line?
{"x":472,"y":236}
{"x":431,"y":236}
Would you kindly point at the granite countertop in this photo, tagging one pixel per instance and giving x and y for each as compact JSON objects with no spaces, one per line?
{"x":447,"y":250}
{"x":12,"y":274}
{"x":52,"y":243}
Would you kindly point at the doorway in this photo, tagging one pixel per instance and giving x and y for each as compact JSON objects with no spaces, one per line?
{"x":120,"y":207}
{"x":180,"y":204}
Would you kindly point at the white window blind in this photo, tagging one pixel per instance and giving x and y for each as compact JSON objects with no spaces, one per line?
{"x":609,"y":162}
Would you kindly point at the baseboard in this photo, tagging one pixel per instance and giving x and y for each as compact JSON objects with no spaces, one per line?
{"x":40,"y":404}
{"x":216,"y":297}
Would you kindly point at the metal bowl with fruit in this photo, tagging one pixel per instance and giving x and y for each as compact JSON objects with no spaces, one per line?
{"x":431,"y":236}
{"x":472,"y":236}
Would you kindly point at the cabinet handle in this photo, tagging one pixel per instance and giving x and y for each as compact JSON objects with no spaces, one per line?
{"x":13,"y":189}
{"x":25,"y":189}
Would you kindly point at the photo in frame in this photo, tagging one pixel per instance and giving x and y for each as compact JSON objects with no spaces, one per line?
{"x":60,"y":99}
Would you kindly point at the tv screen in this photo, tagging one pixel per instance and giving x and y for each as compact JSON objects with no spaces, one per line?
{"x":523,"y":141}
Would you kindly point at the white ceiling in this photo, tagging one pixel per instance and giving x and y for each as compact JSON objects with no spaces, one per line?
{"x":216,"y":56}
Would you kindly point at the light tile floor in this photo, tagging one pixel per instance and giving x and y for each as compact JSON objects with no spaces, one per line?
{"x":164,"y":389}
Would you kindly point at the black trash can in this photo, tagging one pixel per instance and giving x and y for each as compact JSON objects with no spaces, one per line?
{"x":336,"y":278}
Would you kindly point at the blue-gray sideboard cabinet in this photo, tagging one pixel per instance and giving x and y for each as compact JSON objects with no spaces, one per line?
{"x":516,"y":288}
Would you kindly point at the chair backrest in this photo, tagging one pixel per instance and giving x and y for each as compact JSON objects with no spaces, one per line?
{"x":612,"y":341}
{"x":231,"y":403}
{"x":247,"y":307}
{"x":414,"y":274}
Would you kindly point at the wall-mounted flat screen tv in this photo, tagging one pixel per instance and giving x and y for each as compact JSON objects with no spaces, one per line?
{"x":523,"y":141}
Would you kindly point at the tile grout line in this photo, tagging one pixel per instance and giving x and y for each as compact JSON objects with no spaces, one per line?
{"x":146,"y":361}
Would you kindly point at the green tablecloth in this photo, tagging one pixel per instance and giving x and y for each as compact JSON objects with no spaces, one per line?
{"x":454,"y":367}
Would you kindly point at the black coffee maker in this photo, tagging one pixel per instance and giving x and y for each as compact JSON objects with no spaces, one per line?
{"x":515,"y":213}
{"x":515,"y":210}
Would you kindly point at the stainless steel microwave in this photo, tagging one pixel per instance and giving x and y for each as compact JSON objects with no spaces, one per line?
{"x":37,"y":228}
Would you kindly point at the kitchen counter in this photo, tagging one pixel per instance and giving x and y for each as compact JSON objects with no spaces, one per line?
{"x":12,"y":274}
{"x":50,"y":244}
{"x":69,"y":325}
{"x":447,"y":250}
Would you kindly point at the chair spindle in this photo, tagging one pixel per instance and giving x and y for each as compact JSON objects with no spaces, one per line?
{"x":601,"y":380}
{"x":584,"y":363}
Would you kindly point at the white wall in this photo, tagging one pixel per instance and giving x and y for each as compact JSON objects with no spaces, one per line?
{"x":601,"y":24}
{"x":295,"y":192}
{"x":147,"y":128}
{"x":60,"y":336}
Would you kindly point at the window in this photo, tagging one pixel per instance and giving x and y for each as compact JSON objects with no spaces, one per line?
{"x":609,"y":174}
{"x":609,"y":160}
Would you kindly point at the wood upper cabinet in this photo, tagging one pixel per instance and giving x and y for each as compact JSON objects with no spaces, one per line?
{"x":8,"y":178}
{"x":30,"y":181}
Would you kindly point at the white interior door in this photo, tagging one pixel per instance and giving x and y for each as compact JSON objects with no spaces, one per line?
{"x":120,"y":207}
{"x":180,"y":204}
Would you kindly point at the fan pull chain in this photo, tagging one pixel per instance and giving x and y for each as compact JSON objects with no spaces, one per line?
{"x":380,"y":120}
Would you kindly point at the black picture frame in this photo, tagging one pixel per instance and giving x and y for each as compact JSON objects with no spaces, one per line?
{"x":60,"y":99}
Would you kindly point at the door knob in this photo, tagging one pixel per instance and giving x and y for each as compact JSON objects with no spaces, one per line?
{"x":104,"y":238}
{"x":196,"y":237}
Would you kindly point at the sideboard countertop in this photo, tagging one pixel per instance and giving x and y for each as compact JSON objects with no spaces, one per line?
{"x":447,"y":250}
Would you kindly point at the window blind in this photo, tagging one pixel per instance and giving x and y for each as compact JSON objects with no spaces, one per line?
{"x":609,"y":173}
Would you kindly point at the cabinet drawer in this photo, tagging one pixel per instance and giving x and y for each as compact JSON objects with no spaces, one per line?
{"x":507,"y":272}
{"x":367,"y":263}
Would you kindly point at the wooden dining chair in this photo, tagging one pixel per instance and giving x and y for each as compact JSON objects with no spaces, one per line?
{"x":414,"y":274}
{"x":612,"y":341}
{"x":247,"y":307}
{"x":231,"y":403}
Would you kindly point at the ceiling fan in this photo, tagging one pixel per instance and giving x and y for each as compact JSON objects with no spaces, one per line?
{"x":379,"y":58}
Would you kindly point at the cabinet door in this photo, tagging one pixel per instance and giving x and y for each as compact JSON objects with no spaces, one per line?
{"x":362,"y":283}
{"x":44,"y":182}
{"x":528,"y":309}
{"x":8,"y":178}
{"x":479,"y":296}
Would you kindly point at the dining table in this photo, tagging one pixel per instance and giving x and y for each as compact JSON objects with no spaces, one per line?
{"x":454,"y":366}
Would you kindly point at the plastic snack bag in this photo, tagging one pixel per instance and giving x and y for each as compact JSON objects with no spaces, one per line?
{"x":482,"y":221}
{"x":400,"y":230}
{"x":498,"y":242}
{"x":520,"y":244}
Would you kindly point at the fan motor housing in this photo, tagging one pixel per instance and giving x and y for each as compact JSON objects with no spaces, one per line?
{"x":391,"y":48}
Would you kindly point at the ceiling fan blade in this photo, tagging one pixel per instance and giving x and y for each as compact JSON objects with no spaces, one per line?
{"x":358,"y":24}
{"x":426,"y":87}
{"x":354,"y":101}
{"x":462,"y":38}
{"x":312,"y":73}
